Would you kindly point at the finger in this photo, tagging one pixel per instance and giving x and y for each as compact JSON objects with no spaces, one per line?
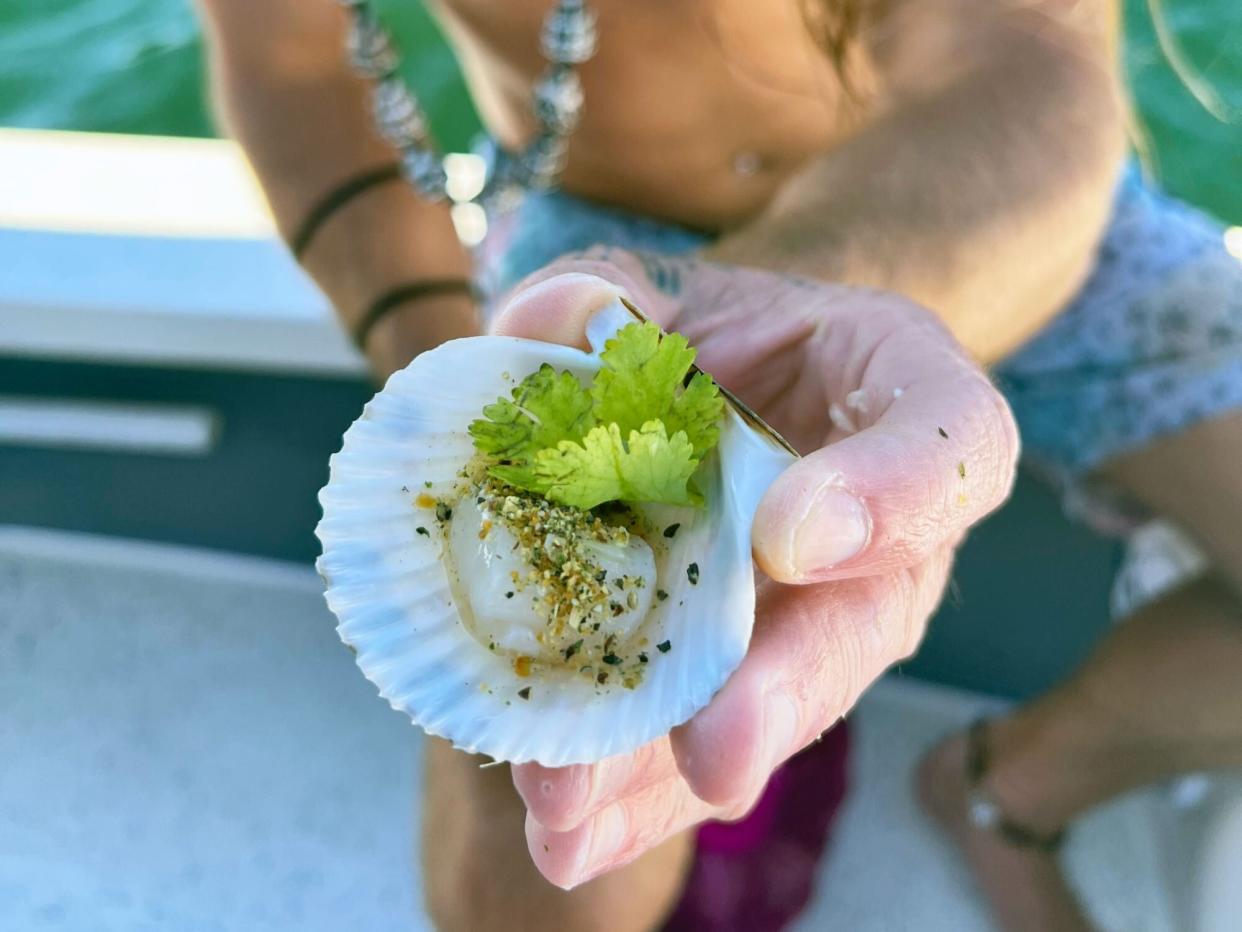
{"x":937,"y":453}
{"x":617,"y":834}
{"x":555,"y":303}
{"x":818,"y":648}
{"x":561,"y":798}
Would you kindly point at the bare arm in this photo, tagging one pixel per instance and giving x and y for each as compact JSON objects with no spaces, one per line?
{"x":283,"y":88}
{"x":983,"y":189}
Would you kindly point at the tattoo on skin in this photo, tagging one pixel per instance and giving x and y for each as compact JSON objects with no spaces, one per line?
{"x":663,"y":271}
{"x":669,"y":274}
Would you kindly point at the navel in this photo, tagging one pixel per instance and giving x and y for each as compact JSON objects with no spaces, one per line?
{"x":747,"y":162}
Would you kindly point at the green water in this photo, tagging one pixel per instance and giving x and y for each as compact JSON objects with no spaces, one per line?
{"x":134,"y":66}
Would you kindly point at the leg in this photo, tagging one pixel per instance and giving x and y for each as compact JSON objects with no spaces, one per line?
{"x":1160,"y":696}
{"x":478,"y":875}
{"x":1195,"y":479}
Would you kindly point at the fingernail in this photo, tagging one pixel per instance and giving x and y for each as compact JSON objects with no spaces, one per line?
{"x":559,"y":801}
{"x":780,"y":728}
{"x":835,"y":528}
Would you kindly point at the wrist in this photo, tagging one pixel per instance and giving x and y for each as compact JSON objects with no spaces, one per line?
{"x":385,"y":237}
{"x":417,"y":326}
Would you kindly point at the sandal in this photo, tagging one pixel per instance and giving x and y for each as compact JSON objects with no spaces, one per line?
{"x":982,"y":808}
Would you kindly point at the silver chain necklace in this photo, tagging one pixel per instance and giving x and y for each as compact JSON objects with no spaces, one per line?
{"x":567,"y":40}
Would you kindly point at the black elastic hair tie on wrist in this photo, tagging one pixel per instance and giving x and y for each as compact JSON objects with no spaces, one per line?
{"x":337,"y":198}
{"x":395,"y":297}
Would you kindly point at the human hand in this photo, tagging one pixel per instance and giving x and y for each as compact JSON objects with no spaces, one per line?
{"x":907,"y":444}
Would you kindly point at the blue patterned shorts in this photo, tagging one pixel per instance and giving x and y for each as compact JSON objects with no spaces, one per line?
{"x":1151,"y":345}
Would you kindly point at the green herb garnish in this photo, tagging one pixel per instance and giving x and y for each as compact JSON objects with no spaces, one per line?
{"x":636,"y":435}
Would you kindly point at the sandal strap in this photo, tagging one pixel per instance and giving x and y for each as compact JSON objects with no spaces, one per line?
{"x":982,"y":807}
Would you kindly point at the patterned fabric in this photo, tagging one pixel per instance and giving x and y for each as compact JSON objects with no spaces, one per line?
{"x":1151,"y":345}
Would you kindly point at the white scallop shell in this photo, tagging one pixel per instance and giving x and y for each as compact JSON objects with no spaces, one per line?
{"x":391,"y":592}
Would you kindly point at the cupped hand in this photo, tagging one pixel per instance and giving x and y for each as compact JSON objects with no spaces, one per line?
{"x":906,"y":444}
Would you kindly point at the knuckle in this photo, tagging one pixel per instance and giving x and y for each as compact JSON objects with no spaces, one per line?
{"x":918,"y":592}
{"x":979,"y":468}
{"x":997,"y":443}
{"x":883,"y":627}
{"x":839,"y":680}
{"x":922,"y":594}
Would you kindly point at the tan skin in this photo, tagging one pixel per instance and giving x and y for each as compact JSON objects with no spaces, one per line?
{"x":975,"y":128}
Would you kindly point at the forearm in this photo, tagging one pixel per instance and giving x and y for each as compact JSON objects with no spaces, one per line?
{"x":283,"y":88}
{"x":982,"y":201}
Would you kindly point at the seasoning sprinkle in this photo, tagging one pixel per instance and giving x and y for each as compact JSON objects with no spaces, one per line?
{"x":692,"y":574}
{"x":551,"y":540}
{"x":573,"y":648}
{"x":664,"y":646}
{"x":961,"y":469}
{"x":602,"y":678}
{"x":524,"y":692}
{"x":443,"y":512}
{"x":642,"y":657}
{"x":422,"y":530}
{"x":509,"y":594}
{"x":671,"y":530}
{"x":427,"y":484}
{"x":611,"y":659}
{"x":661,"y":594}
{"x":940,"y":430}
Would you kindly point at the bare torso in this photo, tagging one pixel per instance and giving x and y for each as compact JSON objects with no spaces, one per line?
{"x":731,"y":116}
{"x":696,"y":110}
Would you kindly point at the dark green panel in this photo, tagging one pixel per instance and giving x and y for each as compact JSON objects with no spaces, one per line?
{"x":1029,"y":599}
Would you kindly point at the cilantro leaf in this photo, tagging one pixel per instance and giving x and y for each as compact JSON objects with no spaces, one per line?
{"x":638,"y":434}
{"x":697,"y":412}
{"x":546,"y":408}
{"x":651,"y":467}
{"x":642,"y":371}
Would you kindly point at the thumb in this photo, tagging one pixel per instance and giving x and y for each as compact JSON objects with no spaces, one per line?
{"x":940,"y":458}
{"x":555,"y":303}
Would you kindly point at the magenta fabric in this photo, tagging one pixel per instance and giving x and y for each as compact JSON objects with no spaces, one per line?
{"x":758,"y":874}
